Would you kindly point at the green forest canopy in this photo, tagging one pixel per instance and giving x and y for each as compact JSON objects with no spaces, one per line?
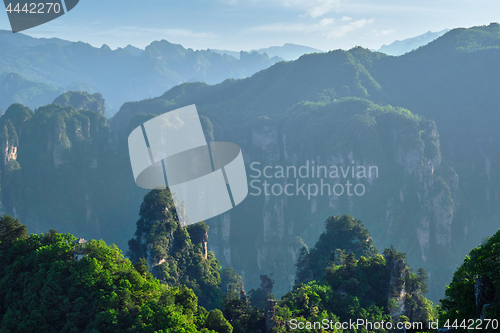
{"x":43,"y":289}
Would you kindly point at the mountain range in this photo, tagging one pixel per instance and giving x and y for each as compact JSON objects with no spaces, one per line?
{"x":35,"y":70}
{"x":120,"y":75}
{"x":400,"y":47}
{"x":287,"y":52}
{"x":427,"y":121}
{"x":439,"y":189}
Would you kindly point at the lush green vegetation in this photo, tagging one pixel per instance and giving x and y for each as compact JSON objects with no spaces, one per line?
{"x":344,"y":233}
{"x":331,"y":282}
{"x":82,"y":101}
{"x":179,"y":255}
{"x":474,"y":292}
{"x":43,"y":289}
{"x":59,"y":164}
{"x":373,"y":287}
{"x":436,"y":162}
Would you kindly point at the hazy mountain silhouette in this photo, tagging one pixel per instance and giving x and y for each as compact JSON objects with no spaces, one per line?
{"x":406,"y":45}
{"x":120,"y":75}
{"x":428,"y":119}
{"x":440,"y":196}
{"x":287,"y":52}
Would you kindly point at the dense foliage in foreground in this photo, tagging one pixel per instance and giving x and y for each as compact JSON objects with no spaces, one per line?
{"x":377,"y":288}
{"x":69,"y":169}
{"x":43,"y":289}
{"x":474,"y":292}
{"x":178,"y":255}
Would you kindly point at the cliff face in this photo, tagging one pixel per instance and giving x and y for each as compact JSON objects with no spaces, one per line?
{"x":50,"y":167}
{"x":428,"y":187}
{"x":9,"y":146}
{"x":397,"y":289}
{"x":390,"y":158}
{"x":177,"y":255}
{"x":10,"y":143}
{"x":82,"y":101}
{"x":13,"y":123}
{"x":436,"y":194}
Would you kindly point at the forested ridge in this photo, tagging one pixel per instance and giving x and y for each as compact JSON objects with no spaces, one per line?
{"x":427,"y":120}
{"x":34,"y":71}
{"x":55,"y":283}
{"x":44,"y":289}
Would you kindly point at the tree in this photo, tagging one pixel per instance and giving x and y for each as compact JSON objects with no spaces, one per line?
{"x":304,"y":273}
{"x":474,"y":291}
{"x":11,"y":229}
{"x":231,"y":280}
{"x":217,"y":322}
{"x":422,"y":277}
{"x":102,"y":292}
{"x":345,"y":233}
{"x":142,"y":266}
{"x":177,"y":255}
{"x":243,"y":317}
{"x":259,"y":297}
{"x":352,"y":289}
{"x":392,"y":255}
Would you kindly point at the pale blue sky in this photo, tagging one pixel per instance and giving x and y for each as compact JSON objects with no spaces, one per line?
{"x":251,"y":24}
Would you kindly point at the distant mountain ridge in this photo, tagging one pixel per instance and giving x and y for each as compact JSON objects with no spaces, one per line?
{"x":441,"y":194}
{"x":54,"y":66}
{"x":287,"y":52}
{"x":407,"y":45}
{"x":14,"y":88}
{"x":133,"y":50}
{"x":120,"y":75}
{"x":428,"y":119}
{"x":22,"y":40}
